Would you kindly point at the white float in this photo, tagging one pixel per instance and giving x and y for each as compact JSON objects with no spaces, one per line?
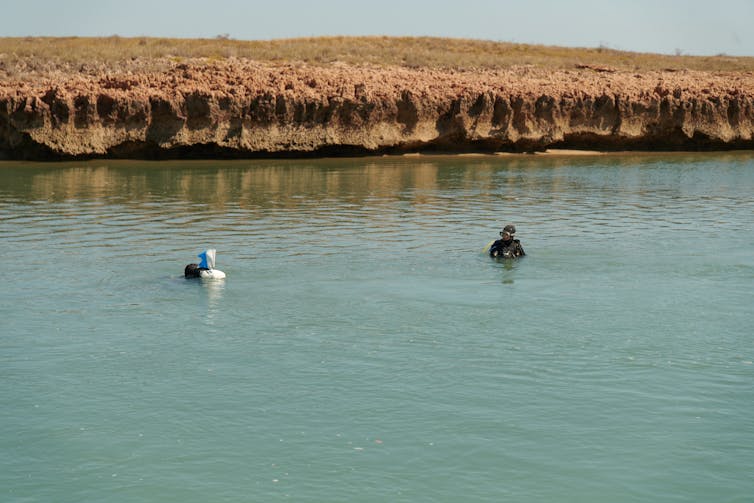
{"x":207,"y":265}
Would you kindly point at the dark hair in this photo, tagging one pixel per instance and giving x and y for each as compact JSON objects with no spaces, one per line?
{"x":191,"y":271}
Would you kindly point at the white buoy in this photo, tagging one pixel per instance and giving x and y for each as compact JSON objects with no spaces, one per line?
{"x":212,"y":274}
{"x":207,"y":265}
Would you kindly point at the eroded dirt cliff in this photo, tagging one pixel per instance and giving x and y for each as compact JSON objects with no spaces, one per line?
{"x":240,"y":108}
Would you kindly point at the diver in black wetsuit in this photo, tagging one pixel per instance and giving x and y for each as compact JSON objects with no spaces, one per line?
{"x":205,"y":268}
{"x":507,"y":247}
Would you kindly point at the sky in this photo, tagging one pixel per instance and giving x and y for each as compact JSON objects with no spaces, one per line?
{"x":693,"y":27}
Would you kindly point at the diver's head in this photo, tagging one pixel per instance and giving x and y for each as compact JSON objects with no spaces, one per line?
{"x":191,"y":271}
{"x":510,"y":229}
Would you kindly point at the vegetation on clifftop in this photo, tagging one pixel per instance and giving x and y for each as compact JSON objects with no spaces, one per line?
{"x":44,"y":54}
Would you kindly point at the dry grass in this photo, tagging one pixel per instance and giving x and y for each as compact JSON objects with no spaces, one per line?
{"x":18,"y":55}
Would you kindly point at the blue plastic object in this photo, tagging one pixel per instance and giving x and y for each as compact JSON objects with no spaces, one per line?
{"x":203,"y":256}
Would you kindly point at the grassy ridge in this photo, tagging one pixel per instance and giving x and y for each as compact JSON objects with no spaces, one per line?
{"x":388,"y":51}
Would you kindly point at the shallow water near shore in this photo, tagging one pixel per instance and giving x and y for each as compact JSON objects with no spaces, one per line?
{"x":362,"y":348}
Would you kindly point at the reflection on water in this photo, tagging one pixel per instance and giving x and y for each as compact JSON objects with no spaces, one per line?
{"x":262,"y":184}
{"x":601,"y":193}
{"x":214,"y":290}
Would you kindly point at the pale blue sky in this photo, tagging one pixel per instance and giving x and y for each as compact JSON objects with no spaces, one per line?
{"x":666,"y":26}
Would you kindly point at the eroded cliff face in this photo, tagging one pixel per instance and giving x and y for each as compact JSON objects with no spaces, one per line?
{"x":244,"y":109}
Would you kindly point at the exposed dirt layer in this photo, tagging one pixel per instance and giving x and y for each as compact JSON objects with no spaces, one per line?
{"x":242,"y":108}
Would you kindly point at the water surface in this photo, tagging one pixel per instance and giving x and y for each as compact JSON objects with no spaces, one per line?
{"x":362,"y":347}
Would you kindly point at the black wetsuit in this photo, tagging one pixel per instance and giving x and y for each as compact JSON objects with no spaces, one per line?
{"x":507,"y":249}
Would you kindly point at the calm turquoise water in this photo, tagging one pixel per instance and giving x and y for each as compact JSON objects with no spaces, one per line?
{"x":362,"y":347}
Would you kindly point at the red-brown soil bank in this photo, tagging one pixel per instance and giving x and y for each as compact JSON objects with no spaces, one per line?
{"x":241,"y":108}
